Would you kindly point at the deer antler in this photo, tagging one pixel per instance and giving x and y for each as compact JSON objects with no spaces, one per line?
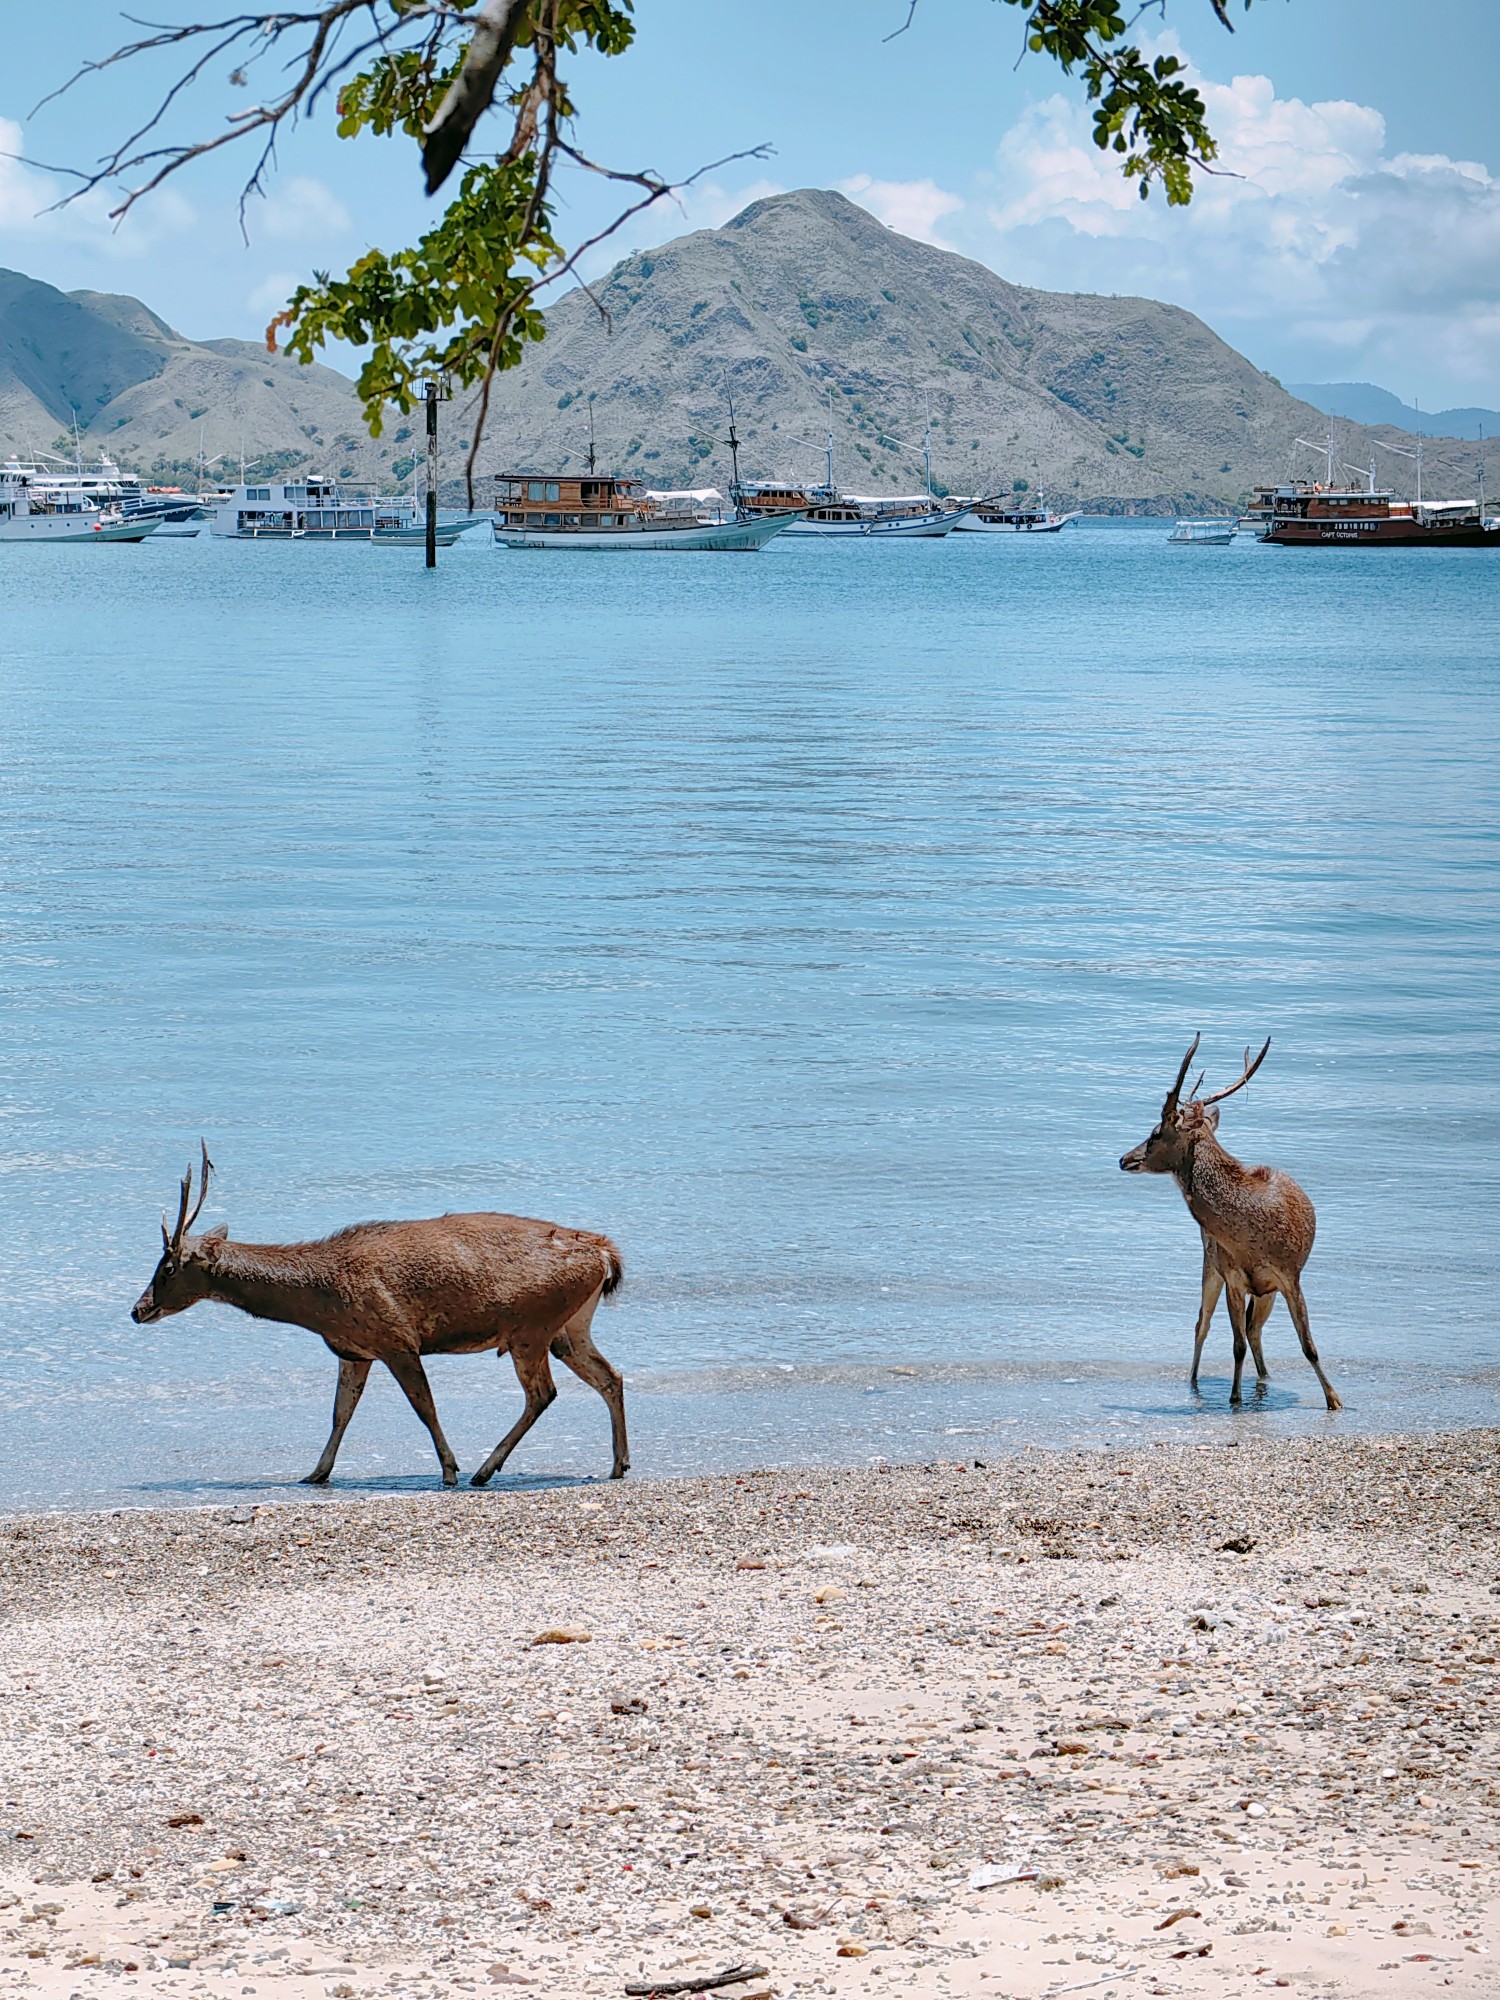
{"x":1176,"y":1091}
{"x":185,"y":1221}
{"x":1249,"y":1071}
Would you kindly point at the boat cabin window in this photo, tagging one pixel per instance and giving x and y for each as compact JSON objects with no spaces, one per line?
{"x":552,"y":520}
{"x":257,"y":492}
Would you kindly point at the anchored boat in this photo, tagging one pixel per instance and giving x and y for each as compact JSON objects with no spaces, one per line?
{"x":1204,"y":534}
{"x":34,"y":512}
{"x":1000,"y":517}
{"x":317,"y":510}
{"x":595,"y":510}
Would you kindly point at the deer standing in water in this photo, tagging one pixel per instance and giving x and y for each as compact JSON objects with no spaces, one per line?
{"x":396,"y":1291}
{"x":1257,"y":1224}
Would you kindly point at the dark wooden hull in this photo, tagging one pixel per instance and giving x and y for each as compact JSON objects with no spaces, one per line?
{"x":1378,"y":534}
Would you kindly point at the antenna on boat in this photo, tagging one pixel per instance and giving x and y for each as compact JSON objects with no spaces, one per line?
{"x":591,"y":434}
{"x":831,"y":487}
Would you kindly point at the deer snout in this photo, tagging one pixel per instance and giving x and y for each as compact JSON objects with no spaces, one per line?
{"x":145,"y":1310}
{"x":1134,"y":1162}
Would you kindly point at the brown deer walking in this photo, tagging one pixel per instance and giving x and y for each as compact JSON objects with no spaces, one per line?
{"x":396,"y":1291}
{"x":1257,"y":1224}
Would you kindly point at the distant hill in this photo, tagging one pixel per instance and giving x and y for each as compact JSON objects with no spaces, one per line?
{"x":150,"y":398}
{"x":804,"y":309}
{"x":1363,"y":403}
{"x":1109,"y":403}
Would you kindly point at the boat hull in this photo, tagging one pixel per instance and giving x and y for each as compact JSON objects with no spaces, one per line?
{"x":1379,"y":534}
{"x":710,"y":537}
{"x":34,"y":528}
{"x":1052,"y":525}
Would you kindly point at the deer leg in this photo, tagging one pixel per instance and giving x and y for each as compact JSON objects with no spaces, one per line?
{"x":575,"y":1348}
{"x":353,"y":1376}
{"x":1260,"y":1312}
{"x":534,"y":1373}
{"x":409,"y":1372}
{"x":1213,"y":1285}
{"x":1296,"y":1305}
{"x":1239,"y":1319}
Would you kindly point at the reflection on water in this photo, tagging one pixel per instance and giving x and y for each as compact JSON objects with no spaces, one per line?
{"x":824,"y":926}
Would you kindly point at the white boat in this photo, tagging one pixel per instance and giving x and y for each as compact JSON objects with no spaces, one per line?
{"x":1205,"y":534}
{"x":1015,"y":517}
{"x":315,"y":509}
{"x":597,"y":511}
{"x":105,"y":486}
{"x":823,"y":510}
{"x":30,"y":512}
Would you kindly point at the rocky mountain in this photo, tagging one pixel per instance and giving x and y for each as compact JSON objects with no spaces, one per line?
{"x":804,"y":301}
{"x":152,"y":399}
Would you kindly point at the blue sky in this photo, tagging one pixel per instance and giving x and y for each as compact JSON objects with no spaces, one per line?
{"x":1359,"y":238}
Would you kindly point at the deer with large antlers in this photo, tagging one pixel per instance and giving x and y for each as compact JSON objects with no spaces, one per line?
{"x":1257,"y":1224}
{"x":397,"y":1291}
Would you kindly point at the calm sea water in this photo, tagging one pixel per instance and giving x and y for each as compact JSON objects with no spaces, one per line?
{"x":821,"y":924}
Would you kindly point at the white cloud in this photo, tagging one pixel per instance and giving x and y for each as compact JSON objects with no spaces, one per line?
{"x":914,"y":208}
{"x":1315,"y":249}
{"x":30,"y":217}
{"x":300,"y":210}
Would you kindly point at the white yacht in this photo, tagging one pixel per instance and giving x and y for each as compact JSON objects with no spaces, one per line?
{"x":31,"y":510}
{"x":315,"y":509}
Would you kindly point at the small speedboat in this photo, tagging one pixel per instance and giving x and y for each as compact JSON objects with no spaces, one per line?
{"x":1204,"y":534}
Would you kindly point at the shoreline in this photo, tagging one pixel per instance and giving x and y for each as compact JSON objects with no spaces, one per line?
{"x":68,"y":1455}
{"x":815,"y":1705}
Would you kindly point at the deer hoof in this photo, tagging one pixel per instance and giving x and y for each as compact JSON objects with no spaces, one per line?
{"x":314,"y":1479}
{"x":1335,"y":1401}
{"x":619,"y":1471}
{"x":480,"y":1479}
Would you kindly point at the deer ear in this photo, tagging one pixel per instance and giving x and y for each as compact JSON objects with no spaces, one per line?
{"x":1213,"y":1118}
{"x":218,"y":1234}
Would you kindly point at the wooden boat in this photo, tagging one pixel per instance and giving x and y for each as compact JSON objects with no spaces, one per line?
{"x":595,"y":511}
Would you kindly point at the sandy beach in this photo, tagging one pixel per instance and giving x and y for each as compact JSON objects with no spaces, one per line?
{"x":1228,"y":1711}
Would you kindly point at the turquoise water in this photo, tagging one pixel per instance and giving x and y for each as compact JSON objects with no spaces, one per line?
{"x":822,"y":924}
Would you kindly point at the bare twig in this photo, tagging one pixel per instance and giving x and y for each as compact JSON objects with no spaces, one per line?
{"x":664,"y":1987}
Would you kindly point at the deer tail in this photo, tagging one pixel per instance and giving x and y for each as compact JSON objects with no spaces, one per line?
{"x":614,"y":1267}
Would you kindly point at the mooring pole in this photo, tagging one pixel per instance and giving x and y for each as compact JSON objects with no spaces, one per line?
{"x":432,"y":474}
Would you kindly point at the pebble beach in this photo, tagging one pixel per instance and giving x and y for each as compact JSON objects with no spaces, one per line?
{"x":1207,"y":1720}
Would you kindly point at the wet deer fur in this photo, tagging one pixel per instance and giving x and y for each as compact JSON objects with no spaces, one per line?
{"x":1257,"y":1224}
{"x":399,"y":1291}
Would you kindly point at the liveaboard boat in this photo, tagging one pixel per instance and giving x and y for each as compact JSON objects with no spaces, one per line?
{"x":31,"y":511}
{"x":1320,"y":514}
{"x":1303,"y":516}
{"x":1016,"y":517}
{"x":315,"y":509}
{"x":596,"y":510}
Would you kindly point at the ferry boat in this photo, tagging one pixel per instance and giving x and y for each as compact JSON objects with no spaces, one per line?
{"x":1216,"y":534}
{"x":596,"y":510}
{"x":315,"y":509}
{"x":32,"y":512}
{"x":1304,"y":516}
{"x":823,"y":510}
{"x":1000,"y":517}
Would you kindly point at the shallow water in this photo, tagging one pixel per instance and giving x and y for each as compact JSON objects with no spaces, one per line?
{"x":823,"y":925}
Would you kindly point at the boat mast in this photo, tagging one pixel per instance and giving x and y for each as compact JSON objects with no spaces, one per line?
{"x":736,"y":491}
{"x":591,"y":435}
